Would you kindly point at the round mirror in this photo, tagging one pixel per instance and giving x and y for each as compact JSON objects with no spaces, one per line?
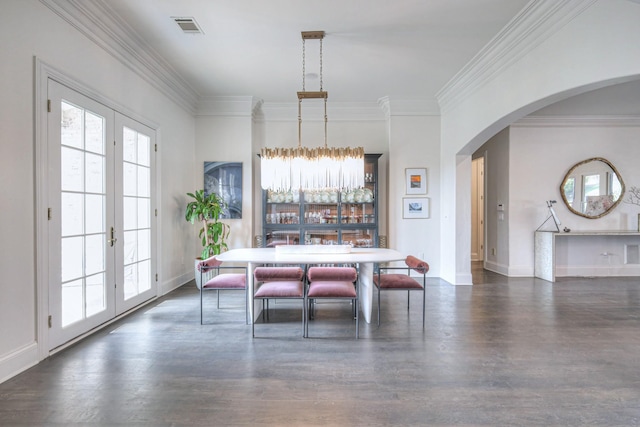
{"x":592,"y":188}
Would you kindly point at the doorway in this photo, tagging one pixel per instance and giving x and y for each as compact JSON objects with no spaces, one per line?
{"x":101,"y":218}
{"x":477,"y":209}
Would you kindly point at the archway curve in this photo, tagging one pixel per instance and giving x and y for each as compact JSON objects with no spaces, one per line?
{"x":596,"y":49}
{"x":501,"y":123}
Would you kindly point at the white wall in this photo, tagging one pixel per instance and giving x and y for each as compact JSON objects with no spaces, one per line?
{"x":558,"y":146}
{"x":414,"y":142}
{"x":227,"y":139}
{"x":60,"y":45}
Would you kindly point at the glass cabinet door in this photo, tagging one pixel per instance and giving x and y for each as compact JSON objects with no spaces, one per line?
{"x":365,"y":238}
{"x":282,"y":208}
{"x":358,"y":213}
{"x":324,"y":216}
{"x":321,"y":237}
{"x":281,"y":237}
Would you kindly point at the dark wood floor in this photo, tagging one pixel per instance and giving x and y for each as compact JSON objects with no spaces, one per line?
{"x":504,"y":352}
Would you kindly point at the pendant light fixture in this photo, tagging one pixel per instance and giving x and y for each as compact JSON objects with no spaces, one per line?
{"x":303,"y":168}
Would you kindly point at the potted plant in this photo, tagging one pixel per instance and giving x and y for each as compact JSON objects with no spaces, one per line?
{"x":206,"y":210}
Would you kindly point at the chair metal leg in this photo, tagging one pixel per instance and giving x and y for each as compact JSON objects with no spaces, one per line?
{"x":218,"y":297}
{"x":201,"y":304}
{"x":408,"y":299}
{"x":246,"y":306}
{"x":355,"y":303}
{"x":253,"y":323}
{"x":304,"y":318}
{"x":305,"y":333}
{"x":424,"y":293}
{"x":378,"y":306}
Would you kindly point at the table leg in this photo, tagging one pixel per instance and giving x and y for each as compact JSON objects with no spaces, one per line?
{"x":250,"y":269}
{"x":365,"y":282}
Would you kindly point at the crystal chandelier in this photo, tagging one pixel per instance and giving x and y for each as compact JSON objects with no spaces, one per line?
{"x":303,"y":168}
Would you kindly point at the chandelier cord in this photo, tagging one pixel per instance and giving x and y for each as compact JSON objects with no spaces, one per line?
{"x":320,"y":65}
{"x":325,"y":99}
{"x":304,"y":65}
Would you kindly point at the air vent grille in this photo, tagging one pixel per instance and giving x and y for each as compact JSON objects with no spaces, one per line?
{"x":188,"y":24}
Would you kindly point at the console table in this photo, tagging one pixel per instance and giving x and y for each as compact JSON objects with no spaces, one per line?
{"x":590,"y":246}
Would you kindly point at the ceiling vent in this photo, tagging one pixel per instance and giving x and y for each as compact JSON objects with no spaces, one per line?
{"x":188,"y":24}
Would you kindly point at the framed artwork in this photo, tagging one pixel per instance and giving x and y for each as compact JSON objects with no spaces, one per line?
{"x":225,"y":179}
{"x":415,"y":207}
{"x":416,"y":180}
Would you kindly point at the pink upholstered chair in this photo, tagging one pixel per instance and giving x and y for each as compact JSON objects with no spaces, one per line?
{"x":211,"y":279}
{"x":402,"y":281}
{"x":278,"y":283}
{"x":332,"y":283}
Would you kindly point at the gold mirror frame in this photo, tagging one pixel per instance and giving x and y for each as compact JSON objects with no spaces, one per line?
{"x":570,"y":174}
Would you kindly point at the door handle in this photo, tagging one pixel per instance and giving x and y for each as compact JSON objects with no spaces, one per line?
{"x":112,"y":240}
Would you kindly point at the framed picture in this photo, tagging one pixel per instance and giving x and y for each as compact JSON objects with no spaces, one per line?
{"x":225,"y":179}
{"x":416,"y":180}
{"x":415,"y":207}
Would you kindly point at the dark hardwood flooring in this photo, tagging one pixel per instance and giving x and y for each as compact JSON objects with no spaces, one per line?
{"x":504,"y":352}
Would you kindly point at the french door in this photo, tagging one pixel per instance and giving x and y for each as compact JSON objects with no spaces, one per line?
{"x":101,"y":222}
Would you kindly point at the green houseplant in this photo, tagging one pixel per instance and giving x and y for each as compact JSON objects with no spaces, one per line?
{"x":207,"y":210}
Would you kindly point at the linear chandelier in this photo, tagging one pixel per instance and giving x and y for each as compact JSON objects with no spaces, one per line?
{"x":303,"y":168}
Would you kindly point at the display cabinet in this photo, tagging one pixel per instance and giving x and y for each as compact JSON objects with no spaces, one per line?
{"x":325,"y":216}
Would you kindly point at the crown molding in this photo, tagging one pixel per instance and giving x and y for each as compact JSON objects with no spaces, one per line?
{"x":228,"y":106}
{"x":380,"y":110}
{"x":534,"y":24}
{"x":577,"y":121}
{"x":100,"y":24}
{"x":408,"y":107}
{"x":336,"y":111}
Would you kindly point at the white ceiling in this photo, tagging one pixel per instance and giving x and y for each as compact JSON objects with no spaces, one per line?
{"x":401,"y":49}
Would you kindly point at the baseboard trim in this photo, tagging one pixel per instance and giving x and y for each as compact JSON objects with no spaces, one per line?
{"x":597,"y":271}
{"x":496,"y":268}
{"x":175,"y":282}
{"x":18,"y":361}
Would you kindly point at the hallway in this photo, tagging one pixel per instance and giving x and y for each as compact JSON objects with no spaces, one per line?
{"x":506,"y":351}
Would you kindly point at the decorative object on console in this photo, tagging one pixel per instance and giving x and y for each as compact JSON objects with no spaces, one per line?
{"x":634,"y":199}
{"x":312,"y":168}
{"x":634,"y":196}
{"x":552,"y":214}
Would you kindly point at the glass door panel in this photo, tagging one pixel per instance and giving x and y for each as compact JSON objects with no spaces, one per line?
{"x":79,"y":262}
{"x":135,"y":273}
{"x":82,"y":140}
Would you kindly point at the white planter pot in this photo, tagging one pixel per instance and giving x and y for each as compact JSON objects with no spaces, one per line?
{"x":197,"y":273}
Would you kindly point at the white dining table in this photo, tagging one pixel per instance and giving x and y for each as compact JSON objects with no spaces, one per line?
{"x":365,"y":258}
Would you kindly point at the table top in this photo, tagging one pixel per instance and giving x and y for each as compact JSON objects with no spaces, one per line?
{"x":269,"y":256}
{"x":594,"y":233}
